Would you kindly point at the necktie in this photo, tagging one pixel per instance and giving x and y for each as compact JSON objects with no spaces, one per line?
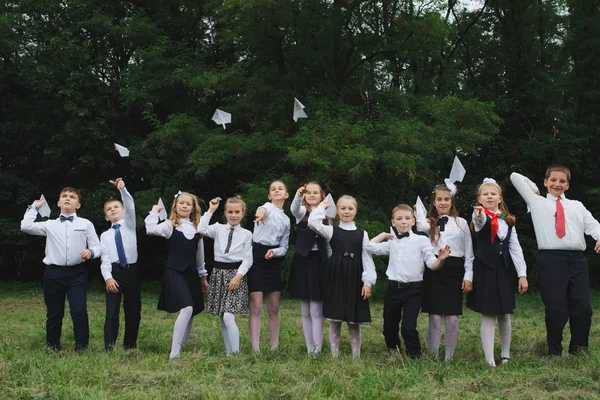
{"x":229,"y":239}
{"x":560,"y":219}
{"x":119,"y":243}
{"x":402,"y":235}
{"x":442,"y":223}
{"x":63,"y":218}
{"x":494,"y":218}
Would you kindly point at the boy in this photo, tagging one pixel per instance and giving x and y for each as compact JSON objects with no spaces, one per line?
{"x":408,"y":253}
{"x":560,"y":225}
{"x":119,"y":269}
{"x":70,"y":241}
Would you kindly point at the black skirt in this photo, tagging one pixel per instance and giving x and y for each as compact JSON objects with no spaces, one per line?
{"x":443,"y":288}
{"x":493,"y":288}
{"x":264,"y":275}
{"x":180,"y":289}
{"x":306,"y":276}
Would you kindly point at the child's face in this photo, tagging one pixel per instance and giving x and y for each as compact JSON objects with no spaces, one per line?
{"x":277,"y":192}
{"x":556,"y":183}
{"x":234,"y":214}
{"x":113,"y":211}
{"x":68,"y":202}
{"x":313,"y":195}
{"x":184,"y":206}
{"x":403,"y":221}
{"x":442,"y":202}
{"x":489,"y":197}
{"x":346,"y":210}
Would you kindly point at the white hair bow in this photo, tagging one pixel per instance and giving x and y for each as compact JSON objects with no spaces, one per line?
{"x":489,"y":180}
{"x":177,"y":195}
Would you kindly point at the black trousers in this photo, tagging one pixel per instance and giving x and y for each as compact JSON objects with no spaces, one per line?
{"x":402,"y":304}
{"x":70,"y":282}
{"x":565,"y":290}
{"x":128,"y":280}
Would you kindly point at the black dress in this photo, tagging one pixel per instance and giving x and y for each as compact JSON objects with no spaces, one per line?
{"x":342,"y":280}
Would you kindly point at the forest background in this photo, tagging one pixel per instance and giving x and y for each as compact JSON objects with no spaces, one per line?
{"x":393,"y":91}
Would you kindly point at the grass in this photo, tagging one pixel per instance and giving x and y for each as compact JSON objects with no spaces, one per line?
{"x":27,"y":371}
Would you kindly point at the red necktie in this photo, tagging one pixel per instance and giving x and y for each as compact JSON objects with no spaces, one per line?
{"x":494,"y":218}
{"x":560,"y":219}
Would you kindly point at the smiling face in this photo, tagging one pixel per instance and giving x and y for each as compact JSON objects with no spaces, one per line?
{"x":313,"y":195}
{"x":489,"y":196}
{"x":113,"y":211}
{"x":442,"y":202}
{"x":346,"y":210}
{"x":184,"y":206}
{"x":557,"y":183}
{"x":403,"y":220}
{"x":68,"y":202}
{"x":277,"y":191}
{"x":234,"y":213}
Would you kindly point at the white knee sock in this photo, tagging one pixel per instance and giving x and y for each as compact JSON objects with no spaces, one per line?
{"x":179,"y":332}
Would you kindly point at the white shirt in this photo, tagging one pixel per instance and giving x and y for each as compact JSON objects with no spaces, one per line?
{"x":275,"y":231}
{"x":315,"y":222}
{"x":64,"y":240}
{"x":165,"y":229}
{"x":514,"y":247}
{"x":241,"y":242}
{"x":578,"y":220}
{"x":407,"y":257}
{"x":127,"y":228}
{"x":458,"y":236}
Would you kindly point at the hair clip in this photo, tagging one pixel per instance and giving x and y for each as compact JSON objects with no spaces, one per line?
{"x":451,"y":186}
{"x":323,"y":185}
{"x":489,"y":180}
{"x":177,"y":195}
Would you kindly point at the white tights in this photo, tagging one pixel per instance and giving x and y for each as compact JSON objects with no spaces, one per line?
{"x":231,"y":333}
{"x":335,"y":335}
{"x":312,"y":325}
{"x":182,"y":330}
{"x":488,"y":325}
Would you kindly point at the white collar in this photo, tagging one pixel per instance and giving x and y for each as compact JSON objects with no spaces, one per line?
{"x":550,"y":197}
{"x":347,"y":226}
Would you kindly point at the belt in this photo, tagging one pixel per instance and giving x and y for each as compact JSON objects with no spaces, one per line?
{"x":406,"y":285}
{"x":224,"y":265}
{"x":131,"y":267}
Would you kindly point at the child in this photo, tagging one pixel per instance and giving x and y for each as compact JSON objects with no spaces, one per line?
{"x":228,"y":289}
{"x":560,"y":225}
{"x":271,"y":238}
{"x":408,"y":253}
{"x":349,"y":273}
{"x":498,"y":254}
{"x":70,"y":241}
{"x":185,"y":276}
{"x":443,"y":289}
{"x":119,"y":269}
{"x":307,"y":266}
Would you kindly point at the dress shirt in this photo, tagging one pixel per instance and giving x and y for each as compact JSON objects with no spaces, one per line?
{"x":407,"y":257}
{"x":128,"y":234}
{"x":578,"y":220}
{"x":458,"y":236}
{"x":514,"y":247}
{"x":275,"y":231}
{"x":241,"y":242}
{"x":165,"y":229}
{"x":315,"y":222}
{"x":64,"y":240}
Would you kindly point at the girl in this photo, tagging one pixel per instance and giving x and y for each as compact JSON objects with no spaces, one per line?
{"x":184,"y":280}
{"x":270,"y":243}
{"x":349,"y":273}
{"x":443,"y":288}
{"x":498,"y":253}
{"x":307,"y":266}
{"x":228,"y":290}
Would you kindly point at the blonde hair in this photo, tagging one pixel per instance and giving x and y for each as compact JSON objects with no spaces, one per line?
{"x":559,"y":168}
{"x":510,"y":219}
{"x":194,"y":215}
{"x":403,"y":207}
{"x":236,"y":200}
{"x":349,"y":198}
{"x":321,"y":191}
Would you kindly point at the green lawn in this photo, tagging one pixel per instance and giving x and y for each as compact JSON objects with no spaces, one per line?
{"x":203,"y":371}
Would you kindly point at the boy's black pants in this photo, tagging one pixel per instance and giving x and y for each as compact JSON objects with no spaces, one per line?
{"x":128,"y":280}
{"x":402,"y":303}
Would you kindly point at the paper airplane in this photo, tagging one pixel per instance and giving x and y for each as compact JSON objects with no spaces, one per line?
{"x":331,"y":212}
{"x":221,"y":117}
{"x":421,"y":211}
{"x":298,"y":110}
{"x":44,"y":210}
{"x":163,"y":212}
{"x":457,"y":173}
{"x":123,"y":151}
{"x":393,"y":233}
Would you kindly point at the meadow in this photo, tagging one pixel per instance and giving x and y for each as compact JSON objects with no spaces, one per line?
{"x":28,"y":371}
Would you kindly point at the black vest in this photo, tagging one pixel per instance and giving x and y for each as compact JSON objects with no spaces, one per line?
{"x":489,"y":252}
{"x":182,"y":252}
{"x":306,"y":239}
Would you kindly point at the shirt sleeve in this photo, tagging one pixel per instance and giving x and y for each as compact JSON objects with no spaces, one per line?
{"x":128,"y":208}
{"x":478,"y":222}
{"x":590,"y":224}
{"x":422,"y":225}
{"x":247,"y":260}
{"x":28,"y":224}
{"x":297,"y":209}
{"x":516,"y":253}
{"x":428,"y":253}
{"x":105,"y":265}
{"x":526,"y":188}
{"x":378,"y":249}
{"x":204,"y":228}
{"x":468,"y":250}
{"x":315,"y":222}
{"x":200,"y":259}
{"x":92,"y":240}
{"x":369,"y":275}
{"x":153,"y":228}
{"x":284,"y":243}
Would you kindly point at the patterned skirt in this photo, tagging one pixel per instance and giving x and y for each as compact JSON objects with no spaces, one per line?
{"x":220,"y":300}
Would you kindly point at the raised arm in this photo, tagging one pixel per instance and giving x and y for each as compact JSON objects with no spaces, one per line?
{"x":526,"y":188}
{"x":153,"y":228}
{"x":28,"y":224}
{"x":315,"y":222}
{"x":297,"y":209}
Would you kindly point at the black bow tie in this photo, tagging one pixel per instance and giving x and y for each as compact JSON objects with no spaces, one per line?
{"x":403,"y":235}
{"x":442,"y":223}
{"x":63,"y":218}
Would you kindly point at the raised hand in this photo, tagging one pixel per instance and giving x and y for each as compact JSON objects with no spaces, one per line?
{"x":38,"y":203}
{"x":478,"y":210}
{"x":156,"y":208}
{"x":213,"y":205}
{"x":301,"y":191}
{"x":260,"y":215}
{"x":324,"y":204}
{"x":119,"y":183}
